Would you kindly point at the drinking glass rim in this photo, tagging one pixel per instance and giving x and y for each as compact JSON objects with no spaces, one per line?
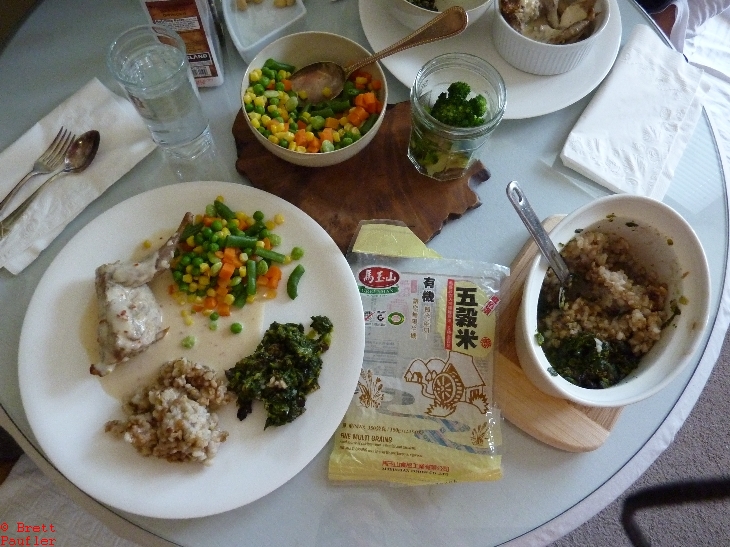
{"x":157,"y":30}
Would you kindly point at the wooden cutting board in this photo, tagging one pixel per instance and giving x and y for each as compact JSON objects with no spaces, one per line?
{"x":378,"y":183}
{"x":557,"y":422}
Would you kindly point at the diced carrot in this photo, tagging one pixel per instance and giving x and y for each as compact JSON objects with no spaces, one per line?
{"x":357,"y":115}
{"x":274,"y":276}
{"x":287,"y":84}
{"x":197,"y":308}
{"x":358,"y":100}
{"x":219,"y":254}
{"x":327,"y":134}
{"x":224,"y":310}
{"x":226,"y":271}
{"x":262,"y":281}
{"x":314,"y":145}
{"x":229,"y":254}
{"x":300,"y":137}
{"x":272,"y":84}
{"x":332,"y":123}
{"x":376,"y":85}
{"x":301,"y":124}
{"x":267,"y":243}
{"x":221,"y":290}
{"x":210,"y":303}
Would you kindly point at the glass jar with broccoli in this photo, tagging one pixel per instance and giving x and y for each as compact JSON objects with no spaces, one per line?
{"x":457,"y":101}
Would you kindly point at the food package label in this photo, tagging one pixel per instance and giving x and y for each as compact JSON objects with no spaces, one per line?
{"x":423,"y":409}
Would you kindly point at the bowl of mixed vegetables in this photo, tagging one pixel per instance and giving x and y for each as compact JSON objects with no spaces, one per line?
{"x":294,"y":128}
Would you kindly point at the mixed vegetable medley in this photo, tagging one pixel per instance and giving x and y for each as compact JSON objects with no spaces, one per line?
{"x":287,"y":119}
{"x":227,"y":258}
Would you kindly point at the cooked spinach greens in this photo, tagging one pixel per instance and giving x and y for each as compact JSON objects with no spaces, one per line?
{"x":282,"y":371}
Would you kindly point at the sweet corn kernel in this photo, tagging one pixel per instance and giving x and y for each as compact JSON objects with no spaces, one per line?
{"x":273,"y":139}
{"x":254,"y":75}
{"x":308,"y":136}
{"x":301,"y":149}
{"x":259,"y":101}
{"x":188,"y":321}
{"x":279,"y":218}
{"x":270,"y":293}
{"x":302,"y":95}
{"x":210,"y":292}
{"x":146,"y":244}
{"x":254,"y":116}
{"x":287,"y":259}
{"x":242,"y":271}
{"x":248,"y":97}
{"x":193,"y":299}
{"x":260,"y":243}
{"x":187,"y":278}
{"x":255,"y":124}
{"x":250,"y":299}
{"x":343,"y":121}
{"x":270,"y":225}
{"x":326,"y":91}
{"x":204,"y":268}
{"x":190,"y":241}
{"x":193,"y":287}
{"x":198,"y":250}
{"x":335,"y":137}
{"x":292,"y":146}
{"x":265,"y":119}
{"x":229,"y":299}
{"x":203,"y":281}
{"x":243,"y":257}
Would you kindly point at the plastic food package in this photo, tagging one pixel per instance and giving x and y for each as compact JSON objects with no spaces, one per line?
{"x":423,"y":410}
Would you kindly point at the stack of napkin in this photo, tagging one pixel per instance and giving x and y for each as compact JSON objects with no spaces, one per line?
{"x":632,"y":134}
{"x":125,"y":141}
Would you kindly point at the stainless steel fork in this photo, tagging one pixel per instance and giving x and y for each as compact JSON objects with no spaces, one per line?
{"x":46,"y":163}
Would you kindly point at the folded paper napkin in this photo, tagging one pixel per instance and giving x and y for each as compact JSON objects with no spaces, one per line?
{"x":632,"y":134}
{"x":124,"y":142}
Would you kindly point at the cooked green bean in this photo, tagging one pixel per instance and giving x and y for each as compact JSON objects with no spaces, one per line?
{"x":292,"y":284}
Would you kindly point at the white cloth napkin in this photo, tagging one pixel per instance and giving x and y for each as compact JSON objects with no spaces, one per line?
{"x":632,"y":134}
{"x":125,"y":140}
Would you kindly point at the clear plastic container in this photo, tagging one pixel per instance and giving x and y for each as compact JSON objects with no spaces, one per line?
{"x":441,"y":151}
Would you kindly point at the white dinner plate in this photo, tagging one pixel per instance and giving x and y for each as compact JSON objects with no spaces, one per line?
{"x":528,"y":95}
{"x":67,"y":407}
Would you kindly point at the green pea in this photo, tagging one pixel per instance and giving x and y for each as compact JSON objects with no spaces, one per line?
{"x":188,"y":342}
{"x":236,"y":328}
{"x":214,"y":316}
{"x":297,"y":253}
{"x":259,"y":89}
{"x":258,"y":215}
{"x":216,"y":225}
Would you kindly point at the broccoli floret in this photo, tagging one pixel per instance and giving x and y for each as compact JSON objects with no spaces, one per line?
{"x":454,"y":108}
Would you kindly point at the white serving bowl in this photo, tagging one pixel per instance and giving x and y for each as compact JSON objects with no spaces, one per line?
{"x":260,"y":24}
{"x":414,"y":17}
{"x":540,"y":58}
{"x":681,"y":264}
{"x":304,"y":48}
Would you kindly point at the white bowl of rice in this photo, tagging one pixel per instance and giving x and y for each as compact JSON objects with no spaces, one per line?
{"x":635,"y":312}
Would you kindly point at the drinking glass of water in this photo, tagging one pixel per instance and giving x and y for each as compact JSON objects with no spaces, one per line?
{"x":151,"y":65}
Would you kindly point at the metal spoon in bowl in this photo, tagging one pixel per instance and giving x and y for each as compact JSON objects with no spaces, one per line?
{"x":534,"y":226}
{"x":78,"y":157}
{"x":314,"y":78}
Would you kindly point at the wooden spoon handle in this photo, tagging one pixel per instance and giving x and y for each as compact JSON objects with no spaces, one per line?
{"x":445,"y":25}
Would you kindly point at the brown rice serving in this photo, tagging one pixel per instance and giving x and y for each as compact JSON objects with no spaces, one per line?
{"x":172,"y":418}
{"x":617,"y":300}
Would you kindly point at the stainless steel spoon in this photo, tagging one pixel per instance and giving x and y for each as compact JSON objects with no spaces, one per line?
{"x":314,"y":78}
{"x":534,"y":226}
{"x":78,"y":157}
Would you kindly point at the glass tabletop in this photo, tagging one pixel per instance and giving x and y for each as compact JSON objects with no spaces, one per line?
{"x":59,"y":52}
